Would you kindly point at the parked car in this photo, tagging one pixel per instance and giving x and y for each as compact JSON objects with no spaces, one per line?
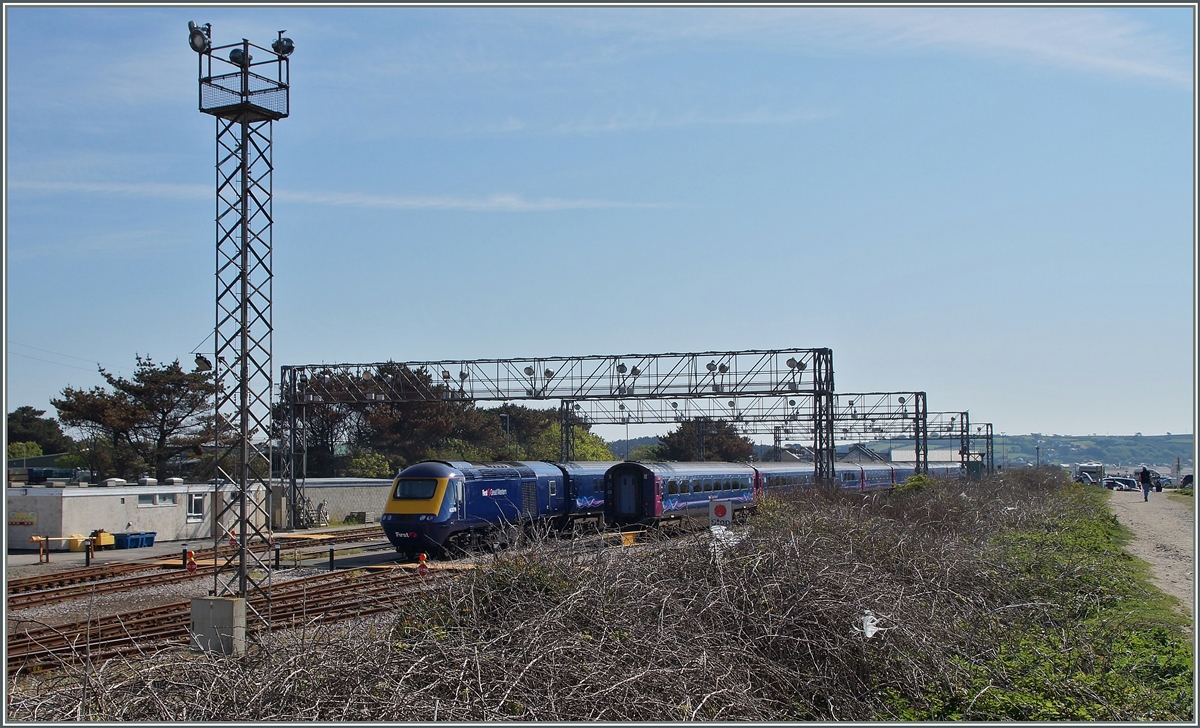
{"x":1121,"y":484}
{"x":1085,"y":478}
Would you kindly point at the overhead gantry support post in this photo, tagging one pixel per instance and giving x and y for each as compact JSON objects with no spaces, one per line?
{"x":566,"y":424}
{"x":824,"y":447}
{"x":921,"y":433}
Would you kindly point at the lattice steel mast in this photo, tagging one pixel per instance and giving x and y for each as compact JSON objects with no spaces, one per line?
{"x":246,"y":97}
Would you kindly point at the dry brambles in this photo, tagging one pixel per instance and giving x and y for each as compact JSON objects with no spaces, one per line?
{"x":765,"y":627}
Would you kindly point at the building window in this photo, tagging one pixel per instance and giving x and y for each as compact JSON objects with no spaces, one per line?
{"x":145,"y":500}
{"x":166,"y":499}
{"x":195,"y":507}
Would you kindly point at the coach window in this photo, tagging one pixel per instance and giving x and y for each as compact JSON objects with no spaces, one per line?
{"x":672,"y":487}
{"x":707,"y":485}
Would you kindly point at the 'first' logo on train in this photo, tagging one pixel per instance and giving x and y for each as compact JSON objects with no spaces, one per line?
{"x":495,"y":491}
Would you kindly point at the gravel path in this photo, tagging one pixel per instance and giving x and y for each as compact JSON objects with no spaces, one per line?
{"x":1164,"y":536}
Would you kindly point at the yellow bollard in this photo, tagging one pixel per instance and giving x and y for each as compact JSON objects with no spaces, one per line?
{"x":628,"y":538}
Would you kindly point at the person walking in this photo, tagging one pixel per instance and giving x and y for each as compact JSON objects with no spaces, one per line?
{"x":1145,"y":479}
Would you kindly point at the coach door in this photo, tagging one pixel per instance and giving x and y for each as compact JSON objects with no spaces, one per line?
{"x":625,"y":491}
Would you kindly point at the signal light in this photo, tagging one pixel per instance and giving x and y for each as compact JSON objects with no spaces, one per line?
{"x":421,"y":558}
{"x":191,"y":555}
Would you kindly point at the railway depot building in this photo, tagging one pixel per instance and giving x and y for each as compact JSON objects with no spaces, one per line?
{"x":172,"y":510}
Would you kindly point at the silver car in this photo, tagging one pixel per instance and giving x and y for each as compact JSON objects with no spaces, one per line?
{"x":1121,"y":484}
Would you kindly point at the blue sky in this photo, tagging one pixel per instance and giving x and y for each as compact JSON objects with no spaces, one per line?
{"x":993,"y":205}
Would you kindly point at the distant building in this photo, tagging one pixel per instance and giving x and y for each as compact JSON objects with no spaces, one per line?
{"x":935,"y":456}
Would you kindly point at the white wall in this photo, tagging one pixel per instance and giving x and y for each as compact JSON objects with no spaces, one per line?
{"x":62,"y":512}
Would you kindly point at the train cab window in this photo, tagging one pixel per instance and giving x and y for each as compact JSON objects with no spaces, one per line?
{"x":415,"y":489}
{"x":553,"y":488}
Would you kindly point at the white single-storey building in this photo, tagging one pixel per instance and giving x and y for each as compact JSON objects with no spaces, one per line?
{"x":173,"y":510}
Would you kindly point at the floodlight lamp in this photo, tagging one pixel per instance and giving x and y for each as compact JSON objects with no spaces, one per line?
{"x":621,"y":368}
{"x":198,"y":36}
{"x":238,"y":57}
{"x":462,"y":375}
{"x":549,"y":373}
{"x":791,"y":363}
{"x":529,"y":371}
{"x":283,"y":46}
{"x":801,"y":365}
{"x":445,"y":374}
{"x":202,"y":363}
{"x":635,"y":371}
{"x":901,"y":400}
{"x":731,"y":403}
{"x":723,"y":368}
{"x":711,"y":366}
{"x":367,"y":375}
{"x":674,"y":405}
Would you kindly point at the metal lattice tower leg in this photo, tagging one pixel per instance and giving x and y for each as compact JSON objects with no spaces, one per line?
{"x":921,"y":433}
{"x":567,"y":431}
{"x":294,"y":464}
{"x":243,"y":350}
{"x":964,"y":441}
{"x":824,"y":448}
{"x":991,"y":462}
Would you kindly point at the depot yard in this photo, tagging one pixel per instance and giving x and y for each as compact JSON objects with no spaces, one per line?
{"x":1005,"y":599}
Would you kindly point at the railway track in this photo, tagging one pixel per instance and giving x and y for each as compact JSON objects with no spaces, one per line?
{"x":77,"y":589}
{"x":90,"y":574}
{"x":325,"y":597}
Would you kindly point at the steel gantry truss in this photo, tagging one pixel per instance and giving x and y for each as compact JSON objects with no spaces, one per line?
{"x":245,"y":96}
{"x":594,"y":389}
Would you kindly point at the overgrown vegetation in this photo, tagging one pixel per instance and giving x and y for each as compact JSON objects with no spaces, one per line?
{"x":1007,"y":599}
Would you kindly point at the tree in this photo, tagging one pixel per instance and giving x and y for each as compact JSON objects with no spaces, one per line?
{"x":26,"y":424}
{"x":368,"y":464}
{"x":158,"y":414}
{"x":721,"y":441}
{"x":19,"y":450}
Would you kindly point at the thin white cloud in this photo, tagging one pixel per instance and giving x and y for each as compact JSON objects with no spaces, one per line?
{"x":492,"y":203}
{"x":498,"y":202}
{"x":1098,"y":40}
{"x":159,"y":190}
{"x":649,"y":120}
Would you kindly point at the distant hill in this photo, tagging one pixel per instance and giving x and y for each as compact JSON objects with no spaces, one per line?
{"x":1120,"y":450}
{"x":618,"y":447}
{"x":1017,"y":450}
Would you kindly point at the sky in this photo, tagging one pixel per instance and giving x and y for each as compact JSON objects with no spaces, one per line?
{"x":995,"y":206}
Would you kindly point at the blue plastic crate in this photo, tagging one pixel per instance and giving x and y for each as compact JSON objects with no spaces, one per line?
{"x":148,"y":538}
{"x":121,"y":540}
